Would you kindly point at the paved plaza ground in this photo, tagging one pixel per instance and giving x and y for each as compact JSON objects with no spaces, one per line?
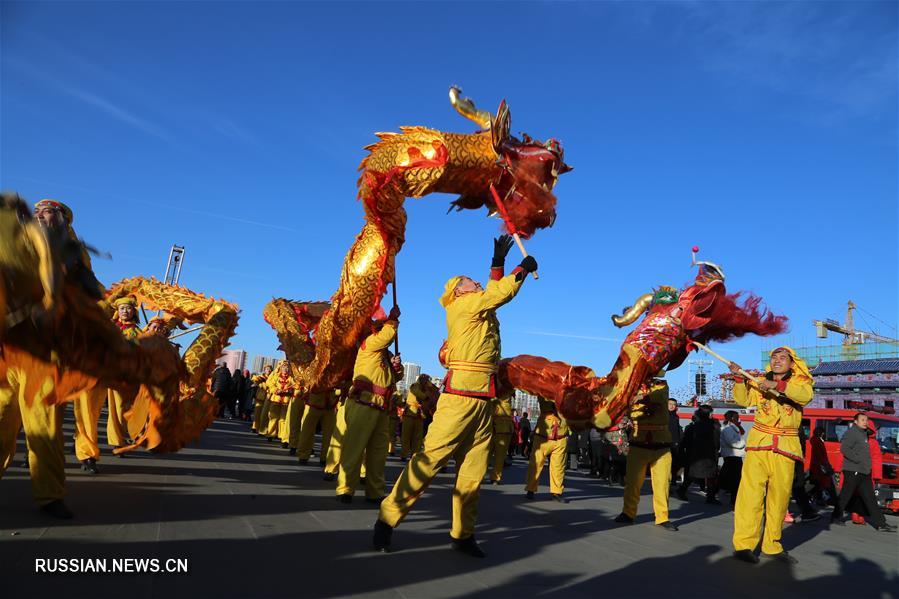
{"x":252,"y":523}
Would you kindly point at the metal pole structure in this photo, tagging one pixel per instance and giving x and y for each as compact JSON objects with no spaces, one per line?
{"x":173,"y":267}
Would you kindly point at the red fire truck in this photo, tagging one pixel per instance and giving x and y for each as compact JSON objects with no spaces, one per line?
{"x":835,"y":423}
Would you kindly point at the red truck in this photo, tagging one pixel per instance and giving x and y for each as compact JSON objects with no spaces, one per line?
{"x":835,"y":423}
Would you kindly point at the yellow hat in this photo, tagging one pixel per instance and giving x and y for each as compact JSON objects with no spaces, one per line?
{"x":128,"y":299}
{"x":800,"y":368}
{"x":66,"y":211}
{"x":448,"y":291}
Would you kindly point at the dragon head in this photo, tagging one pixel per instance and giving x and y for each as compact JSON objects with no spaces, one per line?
{"x":526,"y":172}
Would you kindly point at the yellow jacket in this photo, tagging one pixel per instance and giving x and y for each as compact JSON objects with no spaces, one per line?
{"x":549,"y":424}
{"x":502,"y":416}
{"x":415,"y":401}
{"x":261,"y":392}
{"x":776,"y":426}
{"x":324,"y":400}
{"x":281,"y":389}
{"x":651,"y":419}
{"x":130,"y":331}
{"x":372,"y":376}
{"x":473,"y":343}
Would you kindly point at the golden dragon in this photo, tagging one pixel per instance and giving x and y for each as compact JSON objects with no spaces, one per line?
{"x":321,"y":342}
{"x":166,"y":422}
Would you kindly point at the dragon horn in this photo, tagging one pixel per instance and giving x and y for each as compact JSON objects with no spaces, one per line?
{"x":466,"y":108}
{"x":634,"y":312}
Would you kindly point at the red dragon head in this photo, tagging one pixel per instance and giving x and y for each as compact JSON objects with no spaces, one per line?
{"x":528,"y":170}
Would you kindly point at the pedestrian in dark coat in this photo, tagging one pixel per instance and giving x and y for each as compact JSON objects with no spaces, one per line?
{"x":221,"y":389}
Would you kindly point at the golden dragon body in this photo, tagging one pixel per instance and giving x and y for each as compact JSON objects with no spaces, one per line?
{"x":414,"y":163}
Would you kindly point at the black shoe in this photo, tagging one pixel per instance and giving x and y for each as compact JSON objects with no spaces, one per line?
{"x":681,"y":494}
{"x":303,"y":462}
{"x":623,"y":518}
{"x":57,"y":509}
{"x":809,"y":517}
{"x":838,"y":521}
{"x":713,"y":501}
{"x":90,"y":466}
{"x":270,"y":439}
{"x":557,"y":497}
{"x":529,"y":495}
{"x":668,"y":525}
{"x":783,"y":556}
{"x":375,"y":500}
{"x":468,"y":546}
{"x":746,"y":555}
{"x":382,"y":536}
{"x":285,"y":445}
{"x":345,"y":498}
{"x":329,"y":476}
{"x":293,"y":451}
{"x":362,"y":480}
{"x":885,"y":527}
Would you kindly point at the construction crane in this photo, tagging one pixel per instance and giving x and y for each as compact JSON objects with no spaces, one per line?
{"x":851,"y":336}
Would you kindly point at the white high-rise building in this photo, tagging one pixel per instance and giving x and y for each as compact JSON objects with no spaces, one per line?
{"x":260,"y":362}
{"x":234,"y":359}
{"x":411,"y":370}
{"x":525,"y":402}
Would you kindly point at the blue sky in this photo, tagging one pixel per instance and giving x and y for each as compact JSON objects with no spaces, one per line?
{"x":765,"y":133}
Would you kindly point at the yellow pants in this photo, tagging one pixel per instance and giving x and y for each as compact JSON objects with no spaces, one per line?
{"x":332,"y":459}
{"x":276,"y":419}
{"x":295,"y":412}
{"x":365,"y":440}
{"x":311,"y":419}
{"x":413,"y":435}
{"x":391,"y":430}
{"x":659,"y":463}
{"x":556,"y":451}
{"x":87,"y":422}
{"x":499,"y":445}
{"x":118,"y":402}
{"x":260,"y":418}
{"x":765,"y":489}
{"x":461,"y":430}
{"x":43,"y":434}
{"x":257,"y":414}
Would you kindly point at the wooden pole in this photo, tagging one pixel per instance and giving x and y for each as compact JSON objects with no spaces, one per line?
{"x":186,"y":332}
{"x":723,"y":359}
{"x":505,"y":216}
{"x":396,"y":340}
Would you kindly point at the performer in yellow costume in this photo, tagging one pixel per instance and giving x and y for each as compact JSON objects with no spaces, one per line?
{"x":334,"y":450}
{"x":503,"y":428}
{"x":374,"y":377}
{"x":296,"y":409}
{"x":772,"y":447}
{"x":281,"y":388}
{"x":119,"y":400}
{"x":414,"y":415}
{"x":260,"y":400}
{"x":321,"y":409}
{"x":28,"y":398}
{"x":550,"y":443}
{"x":650,"y":447}
{"x":462,"y":424}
